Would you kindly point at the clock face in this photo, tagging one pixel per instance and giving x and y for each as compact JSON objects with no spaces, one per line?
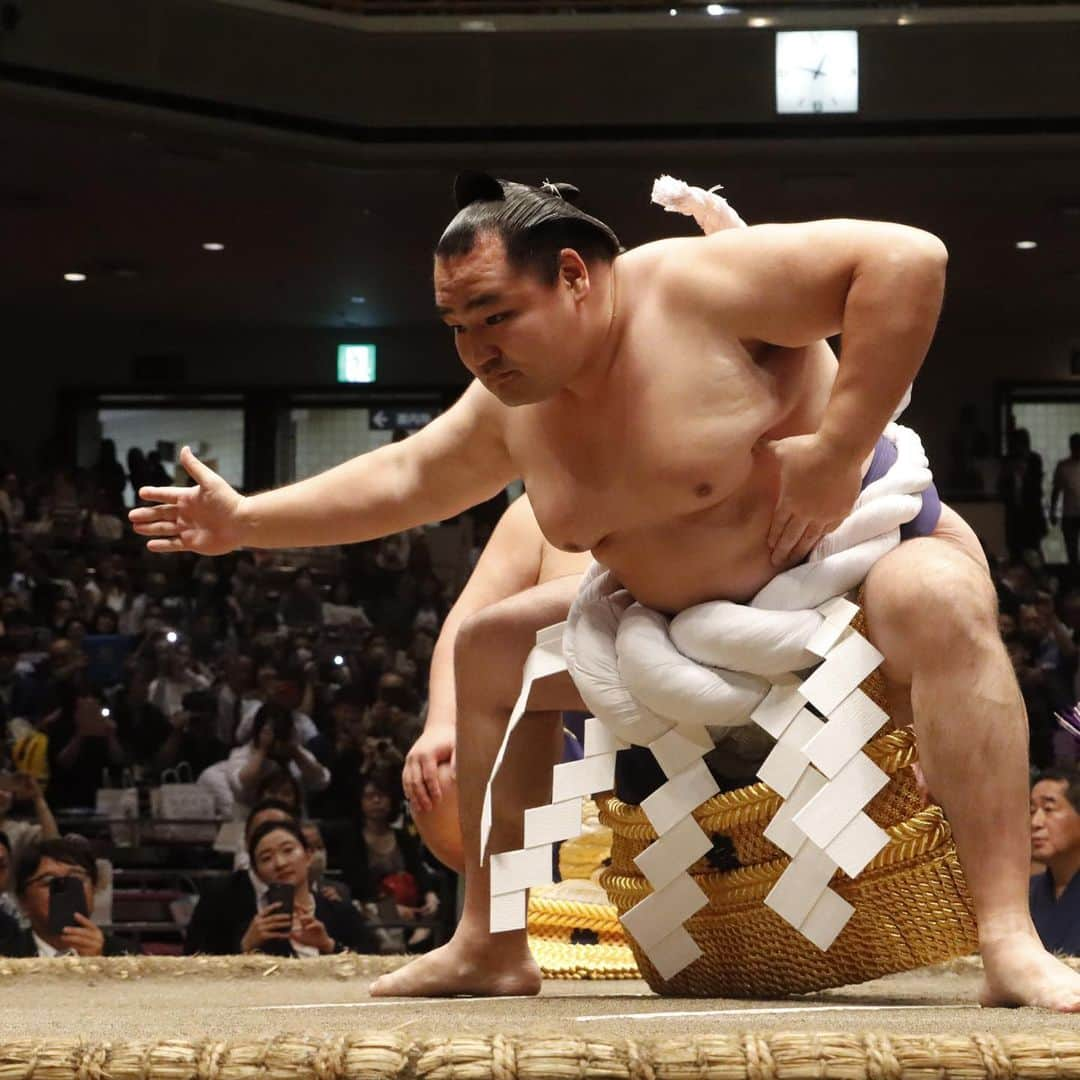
{"x":817,"y":71}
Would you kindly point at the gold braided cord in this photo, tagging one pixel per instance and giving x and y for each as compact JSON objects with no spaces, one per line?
{"x":562,"y":960}
{"x":569,"y":914}
{"x":748,"y":1055}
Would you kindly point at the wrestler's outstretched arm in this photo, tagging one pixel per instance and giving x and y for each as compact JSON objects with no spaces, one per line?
{"x":457,"y":461}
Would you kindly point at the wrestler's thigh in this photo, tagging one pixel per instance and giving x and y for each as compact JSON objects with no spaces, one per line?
{"x":493,"y":643}
{"x":929,"y":597}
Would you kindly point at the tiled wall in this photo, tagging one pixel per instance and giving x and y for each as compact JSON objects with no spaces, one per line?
{"x":1050,"y":424}
{"x":327,"y":437}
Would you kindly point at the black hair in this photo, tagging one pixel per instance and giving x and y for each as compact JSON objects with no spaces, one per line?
{"x":386,"y":780}
{"x":5,"y":841}
{"x":534,"y":224}
{"x":268,"y":804}
{"x":291,"y":826}
{"x":276,"y":780}
{"x":1071,"y":777}
{"x":69,"y":851}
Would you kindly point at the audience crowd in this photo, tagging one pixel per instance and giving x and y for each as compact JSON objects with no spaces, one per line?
{"x":284,"y":690}
{"x":289,"y":681}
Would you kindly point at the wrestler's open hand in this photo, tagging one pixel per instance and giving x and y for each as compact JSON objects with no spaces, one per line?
{"x":204,"y":519}
{"x":420,"y":776}
{"x":819,"y":483}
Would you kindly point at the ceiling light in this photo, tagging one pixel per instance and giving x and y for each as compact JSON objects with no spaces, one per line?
{"x":716,"y":9}
{"x":357,"y":299}
{"x":74,"y":277}
{"x":1026,"y":245}
{"x":673,"y":11}
{"x":213,"y":245}
{"x":761,"y":22}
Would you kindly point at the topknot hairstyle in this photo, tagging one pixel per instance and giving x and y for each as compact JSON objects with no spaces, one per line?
{"x":534,"y":224}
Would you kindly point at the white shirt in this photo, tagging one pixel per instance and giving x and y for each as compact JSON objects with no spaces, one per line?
{"x":45,"y":949}
{"x":168,"y":694}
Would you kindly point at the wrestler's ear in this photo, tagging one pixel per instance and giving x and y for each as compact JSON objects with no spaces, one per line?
{"x":574,"y":272}
{"x":471,"y":186}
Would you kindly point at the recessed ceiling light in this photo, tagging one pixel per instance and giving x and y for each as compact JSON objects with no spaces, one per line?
{"x":357,"y":299}
{"x":74,"y":277}
{"x":213,"y":245}
{"x":761,"y":22}
{"x":673,"y":11}
{"x":1026,"y":245}
{"x":716,"y":9}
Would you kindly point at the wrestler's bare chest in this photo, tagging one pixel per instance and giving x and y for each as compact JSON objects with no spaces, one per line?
{"x":661,"y":481}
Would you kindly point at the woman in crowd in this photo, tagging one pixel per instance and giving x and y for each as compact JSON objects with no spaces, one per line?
{"x":384,"y":861}
{"x":248,"y":922}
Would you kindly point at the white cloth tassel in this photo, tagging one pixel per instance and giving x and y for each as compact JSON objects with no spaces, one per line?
{"x":711,"y":211}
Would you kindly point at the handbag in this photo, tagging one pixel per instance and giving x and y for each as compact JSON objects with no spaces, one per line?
{"x":178,"y":806}
{"x":121,"y":806}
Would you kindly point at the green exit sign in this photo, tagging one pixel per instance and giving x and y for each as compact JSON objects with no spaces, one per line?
{"x":356,"y":363}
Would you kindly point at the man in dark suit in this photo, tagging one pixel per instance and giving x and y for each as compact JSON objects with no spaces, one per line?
{"x":39,"y":865}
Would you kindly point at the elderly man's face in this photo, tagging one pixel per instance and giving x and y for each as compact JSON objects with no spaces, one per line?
{"x":1055,"y":824}
{"x":513,"y":332}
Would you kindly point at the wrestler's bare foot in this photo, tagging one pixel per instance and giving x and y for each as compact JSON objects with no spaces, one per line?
{"x":1019,"y":971}
{"x":459,"y":968}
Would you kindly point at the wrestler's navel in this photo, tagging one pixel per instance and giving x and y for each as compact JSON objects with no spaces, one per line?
{"x":703,"y":491}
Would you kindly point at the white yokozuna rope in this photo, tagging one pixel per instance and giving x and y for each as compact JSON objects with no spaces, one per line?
{"x":788,"y":661}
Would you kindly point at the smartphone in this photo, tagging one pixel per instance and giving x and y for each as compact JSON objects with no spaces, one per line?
{"x":66,"y":897}
{"x":281,"y":893}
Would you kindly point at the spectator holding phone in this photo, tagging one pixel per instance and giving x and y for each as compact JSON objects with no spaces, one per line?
{"x":83,"y":742}
{"x":282,"y":916}
{"x":274,"y":746}
{"x":55,"y":883}
{"x":212,"y":927}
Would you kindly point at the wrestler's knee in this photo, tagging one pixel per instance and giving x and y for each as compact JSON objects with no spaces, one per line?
{"x":930,"y":607}
{"x":490,"y":651}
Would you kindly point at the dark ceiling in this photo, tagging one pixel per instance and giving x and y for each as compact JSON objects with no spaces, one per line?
{"x":128,"y":195}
